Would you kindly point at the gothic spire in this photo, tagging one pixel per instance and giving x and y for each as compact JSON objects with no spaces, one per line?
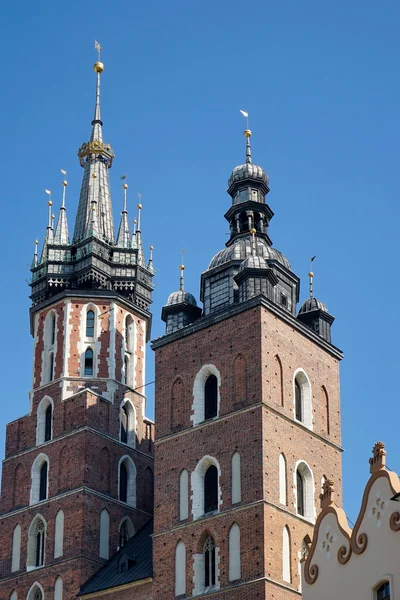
{"x":61,"y":235}
{"x":49,"y":230}
{"x":141,"y":260}
{"x":96,"y":158}
{"x":124,"y":234}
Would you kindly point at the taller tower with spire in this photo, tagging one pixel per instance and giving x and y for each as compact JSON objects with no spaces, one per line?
{"x":248,"y":417}
{"x":77,"y":477}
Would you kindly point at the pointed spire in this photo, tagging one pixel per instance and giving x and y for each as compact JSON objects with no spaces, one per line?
{"x":61,"y":235}
{"x":35,"y":255}
{"x":141,"y":260}
{"x":150,"y":266}
{"x":95,"y":157}
{"x":134,"y":240}
{"x":124,"y":234}
{"x":48,"y":239}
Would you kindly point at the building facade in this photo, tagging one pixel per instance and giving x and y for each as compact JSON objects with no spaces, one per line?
{"x":247,"y":411}
{"x":360,"y":562}
{"x":69,"y":486}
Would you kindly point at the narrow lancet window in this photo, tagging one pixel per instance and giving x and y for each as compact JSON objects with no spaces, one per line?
{"x":43,"y":482}
{"x":298,"y":401}
{"x":209,"y":563}
{"x":211,"y":397}
{"x":88,"y":362}
{"x":48,"y":423}
{"x":211,"y":489}
{"x":90,"y":323}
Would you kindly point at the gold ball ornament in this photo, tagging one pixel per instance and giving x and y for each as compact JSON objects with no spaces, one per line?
{"x":139,"y":206}
{"x":98,"y":67}
{"x":311,"y":274}
{"x":247,"y":133}
{"x":125,"y":186}
{"x":49,"y":203}
{"x":65,"y":183}
{"x":181,"y":267}
{"x":252,"y":231}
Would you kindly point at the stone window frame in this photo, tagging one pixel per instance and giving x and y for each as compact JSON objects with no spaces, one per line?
{"x":306,"y":398}
{"x":41,"y":419}
{"x":198,"y":411}
{"x":130,"y":529}
{"x":309,"y":490}
{"x":32,"y":594}
{"x":50,"y":330}
{"x":35,"y":478}
{"x":31,"y":549}
{"x":132,"y":423}
{"x":197,"y":485}
{"x":131,"y":486}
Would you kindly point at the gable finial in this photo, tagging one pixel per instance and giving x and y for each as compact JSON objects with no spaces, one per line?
{"x":378,"y":460}
{"x":247,"y":135}
{"x":327,"y":496}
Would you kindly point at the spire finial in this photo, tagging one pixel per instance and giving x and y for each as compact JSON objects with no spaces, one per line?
{"x":139,"y":207}
{"x":124,"y":187}
{"x":124,"y":235}
{"x":182,"y":268}
{"x":64,"y":184}
{"x":247,"y":135}
{"x":61,"y":234}
{"x":150,"y":266}
{"x":49,"y":204}
{"x":35,"y":254}
{"x":253,"y":242}
{"x":311,"y":275}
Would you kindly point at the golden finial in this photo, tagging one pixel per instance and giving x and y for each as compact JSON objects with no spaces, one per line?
{"x":49,"y":203}
{"x":36,"y":242}
{"x":125,"y":186}
{"x":139,"y":206}
{"x":253,"y":231}
{"x":151,"y":248}
{"x":94,"y":176}
{"x":247,"y":133}
{"x":64,"y":183}
{"x":181,"y":267}
{"x":98,"y":66}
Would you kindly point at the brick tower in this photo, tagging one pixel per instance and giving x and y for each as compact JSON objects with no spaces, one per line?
{"x":248,"y":417}
{"x":78,"y":471}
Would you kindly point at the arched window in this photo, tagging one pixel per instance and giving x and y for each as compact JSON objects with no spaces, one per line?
{"x":43,"y":482}
{"x":128,"y":424}
{"x":36,"y":543}
{"x":90,"y":324}
{"x":211,"y":489}
{"x":88,"y":368}
{"x":50,"y":375}
{"x":211,"y":397}
{"x":236,"y":479}
{"x":44,"y":421}
{"x":383,"y":591}
{"x":325,"y":409}
{"x":183,"y":495}
{"x":305,"y":491}
{"x":59,"y":535}
{"x":14,"y":596}
{"x":16,"y":549}
{"x":234,"y":553}
{"x":298,"y":401}
{"x":124,"y":425}
{"x":53,"y":329}
{"x":104,"y":534}
{"x":282,"y":480}
{"x":302,"y":399}
{"x":125,"y":530}
{"x":39,"y":474}
{"x":286,"y":574}
{"x":127,"y":481}
{"x":36,"y":592}
{"x":209,"y":563}
{"x":58,"y":589}
{"x":180,"y":569}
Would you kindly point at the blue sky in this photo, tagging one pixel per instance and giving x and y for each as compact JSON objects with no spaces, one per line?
{"x":320,"y":83}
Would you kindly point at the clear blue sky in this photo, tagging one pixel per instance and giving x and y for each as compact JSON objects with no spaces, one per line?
{"x":320,"y":81}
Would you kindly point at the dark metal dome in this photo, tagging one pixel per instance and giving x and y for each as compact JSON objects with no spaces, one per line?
{"x":181,"y":297}
{"x":253,"y":262}
{"x":312,"y":304}
{"x":241,"y":249}
{"x":248,"y":171}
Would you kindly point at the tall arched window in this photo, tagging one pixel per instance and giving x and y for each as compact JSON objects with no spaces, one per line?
{"x":282,"y":480}
{"x":129,"y":334}
{"x":127,"y":481}
{"x":298,"y":401}
{"x":59,"y":535}
{"x":50,"y":347}
{"x":36,"y":592}
{"x":43,"y":482}
{"x":236,"y":479}
{"x":125,"y":530}
{"x":58,"y":589}
{"x":210,"y":577}
{"x":183,"y":495}
{"x":88,"y":367}
{"x":53,"y":329}
{"x":36,"y":543}
{"x":211,"y":489}
{"x":234,"y":553}
{"x":104,"y":534}
{"x":44,"y":421}
{"x":305,"y":491}
{"x":286,"y":574}
{"x":124,"y":425}
{"x":325,"y":409}
{"x":383,"y":591}
{"x":90,"y":324}
{"x":211,"y":397}
{"x":48,"y":423}
{"x":14,"y":596}
{"x":180,"y":569}
{"x":16,"y":549}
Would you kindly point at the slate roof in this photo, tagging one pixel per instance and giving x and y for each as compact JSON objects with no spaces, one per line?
{"x":138,"y":550}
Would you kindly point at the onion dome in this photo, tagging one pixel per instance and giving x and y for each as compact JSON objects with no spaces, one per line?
{"x":181,"y":297}
{"x":312,"y":304}
{"x":248,"y":171}
{"x":241,"y":249}
{"x":181,"y":308}
{"x":315,"y":315}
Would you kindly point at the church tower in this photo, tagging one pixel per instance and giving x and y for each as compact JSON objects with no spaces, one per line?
{"x":248,"y":417}
{"x":77,"y":477}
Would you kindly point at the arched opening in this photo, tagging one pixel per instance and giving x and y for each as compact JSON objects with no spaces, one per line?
{"x":36,"y":543}
{"x":39,"y":481}
{"x":16,"y":549}
{"x":58,"y":589}
{"x":44,"y":421}
{"x":298,"y":401}
{"x":104,"y":534}
{"x":325,"y":410}
{"x":53,"y":329}
{"x":236,"y":479}
{"x":43,"y":482}
{"x":50,"y":374}
{"x":36,"y":592}
{"x":124,"y":425}
{"x":88,"y":366}
{"x":211,"y":397}
{"x":123,"y":483}
{"x":90,"y":324}
{"x":300,"y":493}
{"x":14,"y":596}
{"x":234,"y":553}
{"x":211,"y":489}
{"x":180,"y":569}
{"x":126,"y":371}
{"x":129,"y":334}
{"x":48,"y":422}
{"x":282,"y":480}
{"x":302,"y":399}
{"x":286,"y":570}
{"x":126,"y":530}
{"x":383,"y":591}
{"x":305,"y":492}
{"x":127,"y":481}
{"x":209,"y":563}
{"x":59,"y":535}
{"x":128,"y":424}
{"x":183,"y":495}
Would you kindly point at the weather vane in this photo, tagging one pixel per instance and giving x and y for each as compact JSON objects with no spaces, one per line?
{"x":98,"y":48}
{"x":311,"y":275}
{"x":246,"y":115}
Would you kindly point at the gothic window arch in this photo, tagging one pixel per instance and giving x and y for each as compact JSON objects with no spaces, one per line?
{"x":90,"y":323}
{"x":234,"y":553}
{"x":304,"y":486}
{"x":128,"y":423}
{"x":36,"y":543}
{"x":286,"y":567}
{"x":36,"y":592}
{"x":88,"y":362}
{"x":39,"y":479}
{"x":180,"y":569}
{"x":58,"y":589}
{"x":127,"y":481}
{"x":16,"y":549}
{"x":206,"y":489}
{"x":302,"y":398}
{"x":104,"y":534}
{"x":282,"y":479}
{"x":183,"y":495}
{"x":126,"y":530}
{"x":210,"y":563}
{"x":44,"y":420}
{"x":206,"y":394}
{"x":14,"y":596}
{"x":236,"y":479}
{"x":59,"y":535}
